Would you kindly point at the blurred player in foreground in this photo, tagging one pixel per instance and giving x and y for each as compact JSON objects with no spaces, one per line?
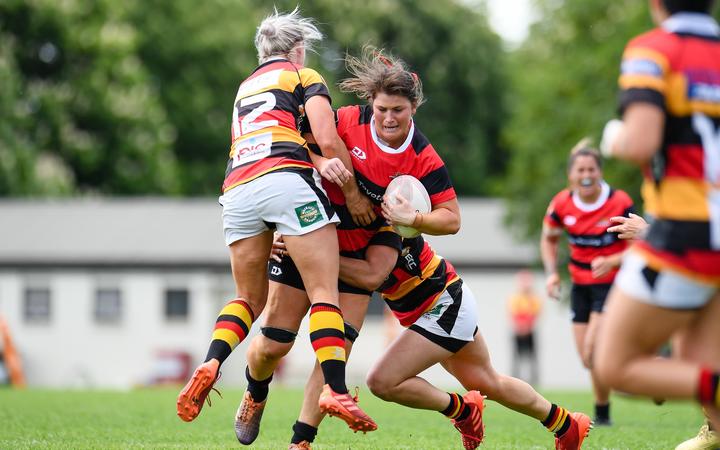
{"x":669,"y":282}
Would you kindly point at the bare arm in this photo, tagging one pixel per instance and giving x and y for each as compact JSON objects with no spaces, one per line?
{"x":443,"y":219}
{"x":369,"y":273}
{"x":548,"y":253}
{"x":322,"y":121}
{"x":640,"y":135}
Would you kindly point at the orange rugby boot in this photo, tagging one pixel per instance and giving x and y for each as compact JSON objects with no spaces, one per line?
{"x":193,"y":396}
{"x":302,"y":445}
{"x":344,"y":406}
{"x":573,"y":438}
{"x":472,"y":428}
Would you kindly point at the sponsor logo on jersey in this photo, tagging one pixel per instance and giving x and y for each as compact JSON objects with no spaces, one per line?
{"x":251,"y":149}
{"x":605,"y":223}
{"x":368,"y":192}
{"x":570,"y":220}
{"x":640,"y":66}
{"x":359,"y":153}
{"x":308,"y":214}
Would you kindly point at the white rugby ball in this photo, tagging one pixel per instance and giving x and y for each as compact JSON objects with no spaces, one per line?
{"x":412,"y":190}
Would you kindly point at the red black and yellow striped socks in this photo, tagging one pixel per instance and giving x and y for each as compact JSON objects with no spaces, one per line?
{"x":558,"y":420}
{"x":327,"y":335}
{"x":457,"y":409}
{"x":231,"y":328}
{"x":709,"y":387}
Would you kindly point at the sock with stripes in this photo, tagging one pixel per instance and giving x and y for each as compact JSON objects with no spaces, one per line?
{"x":709,"y":387}
{"x":231,"y":327}
{"x":558,"y":420}
{"x":258,"y":389}
{"x":457,"y":409}
{"x":327,"y":335}
{"x":303,"y":432}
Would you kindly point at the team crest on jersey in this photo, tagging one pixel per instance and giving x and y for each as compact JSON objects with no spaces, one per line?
{"x":570,"y":220}
{"x":359,"y":153}
{"x":308,"y":214}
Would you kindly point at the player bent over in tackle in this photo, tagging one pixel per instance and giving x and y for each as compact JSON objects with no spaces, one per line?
{"x":280,"y":187}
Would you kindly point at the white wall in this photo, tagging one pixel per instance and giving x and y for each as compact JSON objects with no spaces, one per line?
{"x":73,"y":350}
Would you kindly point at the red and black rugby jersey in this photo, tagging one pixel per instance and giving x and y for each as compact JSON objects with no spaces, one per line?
{"x":677,"y":68}
{"x":586,"y":227}
{"x":264,"y":131}
{"x":375,"y":165}
{"x":420,"y":276}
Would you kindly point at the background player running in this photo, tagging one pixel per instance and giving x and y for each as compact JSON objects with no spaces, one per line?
{"x":583,"y":211}
{"x":271,"y":182}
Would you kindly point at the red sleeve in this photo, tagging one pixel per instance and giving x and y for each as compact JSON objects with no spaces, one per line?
{"x":347,"y":116}
{"x":552,"y":216}
{"x":432,"y":173}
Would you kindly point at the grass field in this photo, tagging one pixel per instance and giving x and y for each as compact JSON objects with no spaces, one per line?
{"x":146,"y":419}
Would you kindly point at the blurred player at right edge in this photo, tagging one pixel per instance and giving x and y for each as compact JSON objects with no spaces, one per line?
{"x":669,"y":283}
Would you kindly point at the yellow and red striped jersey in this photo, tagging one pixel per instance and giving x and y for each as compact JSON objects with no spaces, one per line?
{"x":267,"y":109}
{"x":677,"y":68}
{"x":419,"y":278}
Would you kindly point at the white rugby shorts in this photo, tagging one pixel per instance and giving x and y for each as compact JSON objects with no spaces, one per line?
{"x":292,"y":202}
{"x":666,"y":288}
{"x":452,"y":321}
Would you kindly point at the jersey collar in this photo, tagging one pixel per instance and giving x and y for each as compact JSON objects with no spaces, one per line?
{"x":383,"y":145}
{"x":693,"y":23}
{"x":589,"y":207}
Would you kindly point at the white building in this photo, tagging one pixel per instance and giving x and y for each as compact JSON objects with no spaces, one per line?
{"x":95,"y":289}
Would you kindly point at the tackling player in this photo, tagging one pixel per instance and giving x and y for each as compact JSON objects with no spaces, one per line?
{"x":270,"y":182}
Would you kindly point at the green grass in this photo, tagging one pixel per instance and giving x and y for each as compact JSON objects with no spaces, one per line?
{"x":146,"y":419}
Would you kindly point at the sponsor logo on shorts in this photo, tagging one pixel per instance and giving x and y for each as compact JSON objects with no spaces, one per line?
{"x":435,"y":311}
{"x":308,"y":214}
{"x":275,"y":271}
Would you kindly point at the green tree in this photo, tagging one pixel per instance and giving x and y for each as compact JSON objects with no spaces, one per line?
{"x":564,"y":80}
{"x":198,"y":56}
{"x":459,"y":60}
{"x":79,"y":112}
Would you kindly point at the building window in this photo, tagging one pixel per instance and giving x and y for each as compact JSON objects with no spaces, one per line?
{"x":37,"y":305}
{"x":177,"y":304}
{"x":108,"y":305}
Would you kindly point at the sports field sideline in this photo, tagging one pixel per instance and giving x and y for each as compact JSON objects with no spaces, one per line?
{"x":146,"y":419}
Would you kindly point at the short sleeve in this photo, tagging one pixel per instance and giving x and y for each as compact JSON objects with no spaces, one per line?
{"x":312,"y":84}
{"x":643,"y":75}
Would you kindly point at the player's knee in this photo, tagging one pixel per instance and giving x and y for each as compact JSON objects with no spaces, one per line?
{"x":607,"y":372}
{"x":274,"y":344}
{"x":379,"y":385}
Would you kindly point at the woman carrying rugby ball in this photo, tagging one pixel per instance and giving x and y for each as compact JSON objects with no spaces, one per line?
{"x":421,"y":288}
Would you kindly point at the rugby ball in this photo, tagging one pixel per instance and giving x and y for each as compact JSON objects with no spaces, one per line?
{"x":412,"y":190}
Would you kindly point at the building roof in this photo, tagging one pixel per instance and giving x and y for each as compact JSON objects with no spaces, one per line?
{"x":142,"y":232}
